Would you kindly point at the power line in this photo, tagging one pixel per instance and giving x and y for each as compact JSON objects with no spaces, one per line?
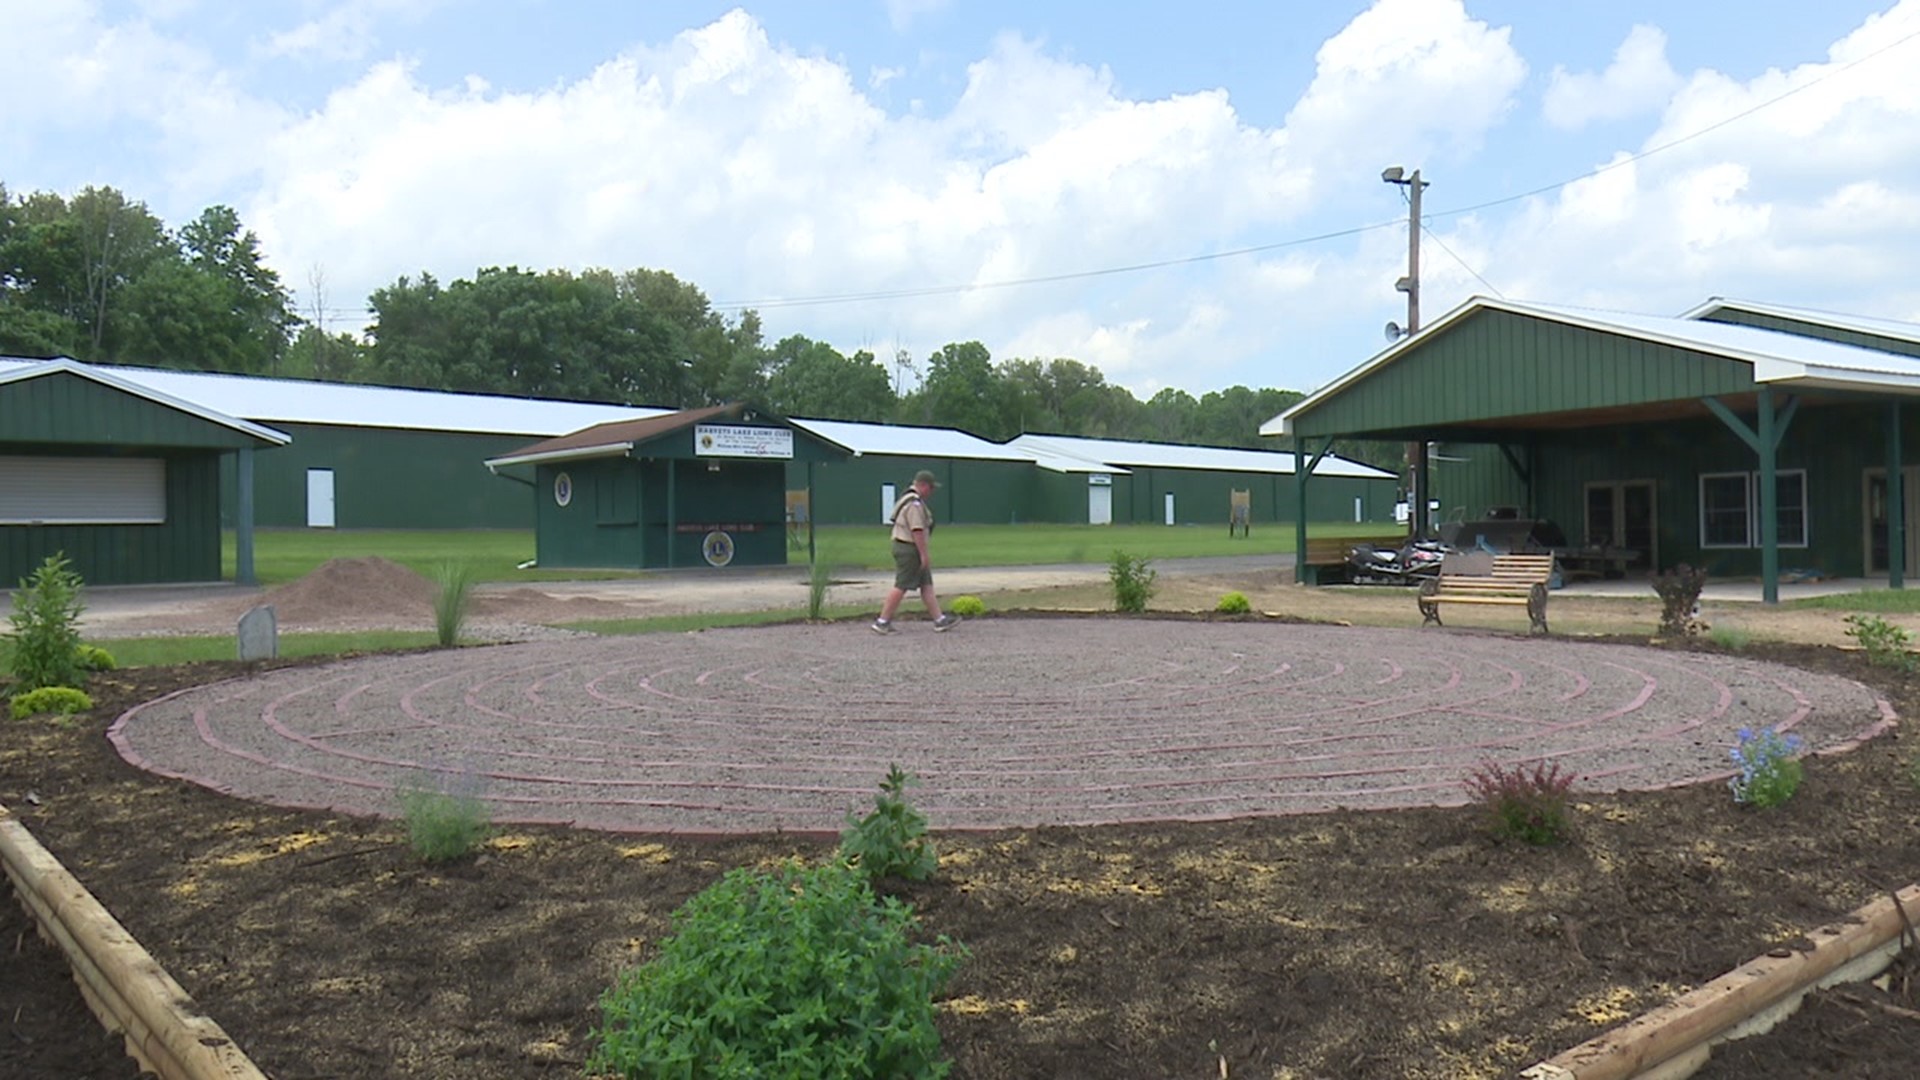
{"x":1435,"y":237}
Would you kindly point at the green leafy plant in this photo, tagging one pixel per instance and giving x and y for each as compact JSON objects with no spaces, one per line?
{"x":55,"y":700}
{"x":442,"y":826}
{"x":450,"y":602}
{"x":1679,"y":590}
{"x":1730,"y":637}
{"x":1132,"y":579}
{"x":95,"y":658}
{"x":891,"y":841}
{"x":1769,"y":770}
{"x":967,"y":607}
{"x":46,"y":628}
{"x":796,"y":972}
{"x":1886,"y":644}
{"x":819,"y":577}
{"x":1233,"y":603}
{"x":1525,"y":803}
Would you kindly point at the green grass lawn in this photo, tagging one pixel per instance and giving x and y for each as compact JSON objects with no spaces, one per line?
{"x":283,"y":555}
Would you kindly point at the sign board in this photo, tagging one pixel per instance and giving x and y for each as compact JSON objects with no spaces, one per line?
{"x":739,"y":440}
{"x":1099,"y":479}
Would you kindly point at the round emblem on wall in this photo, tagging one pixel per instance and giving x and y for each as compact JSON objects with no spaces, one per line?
{"x":718,"y":548}
{"x":562,"y":489}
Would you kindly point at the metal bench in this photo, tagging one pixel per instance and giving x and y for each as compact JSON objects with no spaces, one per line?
{"x":1472,"y":578}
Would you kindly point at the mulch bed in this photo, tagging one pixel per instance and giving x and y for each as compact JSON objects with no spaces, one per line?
{"x":1347,"y":944}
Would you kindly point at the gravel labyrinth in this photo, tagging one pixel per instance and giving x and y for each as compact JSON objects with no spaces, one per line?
{"x":1009,"y":722}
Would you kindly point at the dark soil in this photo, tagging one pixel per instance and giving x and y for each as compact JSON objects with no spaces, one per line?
{"x":1388,"y":944}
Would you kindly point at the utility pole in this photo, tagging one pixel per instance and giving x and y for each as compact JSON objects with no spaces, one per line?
{"x":1417,"y":485}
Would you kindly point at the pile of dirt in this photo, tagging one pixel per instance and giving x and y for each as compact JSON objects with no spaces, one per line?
{"x":346,"y":590}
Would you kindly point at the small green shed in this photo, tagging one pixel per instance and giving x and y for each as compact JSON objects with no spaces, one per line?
{"x":122,"y":479}
{"x":701,"y":487}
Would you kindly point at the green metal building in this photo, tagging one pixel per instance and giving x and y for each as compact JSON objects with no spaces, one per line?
{"x":693,"y":488}
{"x":121,"y":479}
{"x":1071,"y":480}
{"x":1744,"y":439}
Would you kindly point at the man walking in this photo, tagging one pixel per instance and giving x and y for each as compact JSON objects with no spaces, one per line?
{"x":912,"y":566}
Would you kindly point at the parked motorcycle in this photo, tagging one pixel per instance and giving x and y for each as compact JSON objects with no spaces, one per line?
{"x":1409,"y":564}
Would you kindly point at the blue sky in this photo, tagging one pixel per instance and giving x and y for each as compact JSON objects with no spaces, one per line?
{"x":899,"y":174}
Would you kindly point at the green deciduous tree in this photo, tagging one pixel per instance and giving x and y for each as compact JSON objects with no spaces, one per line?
{"x":810,"y":378}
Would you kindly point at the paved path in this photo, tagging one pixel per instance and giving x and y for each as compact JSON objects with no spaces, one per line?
{"x":1008,"y":722}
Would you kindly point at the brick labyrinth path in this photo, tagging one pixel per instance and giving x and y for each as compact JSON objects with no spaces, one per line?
{"x":1006,"y":722}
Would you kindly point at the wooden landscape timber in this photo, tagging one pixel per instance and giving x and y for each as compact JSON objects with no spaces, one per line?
{"x":131,"y":993}
{"x":1675,"y":1040}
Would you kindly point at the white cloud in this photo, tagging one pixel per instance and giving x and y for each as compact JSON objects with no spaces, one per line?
{"x":348,"y":30}
{"x":902,"y":13}
{"x":1639,"y":80}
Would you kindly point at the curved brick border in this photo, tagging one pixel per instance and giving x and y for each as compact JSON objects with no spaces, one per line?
{"x":1005,"y":722}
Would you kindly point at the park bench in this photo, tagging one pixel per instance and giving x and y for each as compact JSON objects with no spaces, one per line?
{"x":1326,"y":560}
{"x":1478,"y":578}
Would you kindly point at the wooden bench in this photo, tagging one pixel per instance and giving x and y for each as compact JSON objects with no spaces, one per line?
{"x":1514,"y":580}
{"x":1327,"y":555}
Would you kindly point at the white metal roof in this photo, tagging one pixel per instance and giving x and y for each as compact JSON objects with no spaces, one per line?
{"x":1782,"y":359}
{"x":1171,"y":456}
{"x":1865,"y":324}
{"x":353,"y":405}
{"x":907,"y":441}
{"x":22,"y":370}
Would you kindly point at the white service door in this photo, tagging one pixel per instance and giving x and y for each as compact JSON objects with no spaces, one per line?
{"x":1099,"y":506}
{"x":887,"y":496}
{"x":319,"y":498}
{"x":1169,"y":507}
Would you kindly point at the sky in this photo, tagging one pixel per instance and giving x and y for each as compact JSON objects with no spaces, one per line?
{"x":1183,"y":196}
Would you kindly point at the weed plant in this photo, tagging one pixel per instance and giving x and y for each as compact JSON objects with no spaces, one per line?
{"x":1886,"y":644}
{"x":46,"y":628}
{"x":1525,"y":803}
{"x":1769,"y":771}
{"x":797,"y":972}
{"x":1233,"y":603}
{"x":50,"y":700}
{"x":443,"y":827}
{"x":967,"y":607}
{"x":891,"y":841}
{"x":819,"y":577}
{"x":95,"y":658}
{"x":1132,"y":578}
{"x":451,"y":602}
{"x":1731,"y":638}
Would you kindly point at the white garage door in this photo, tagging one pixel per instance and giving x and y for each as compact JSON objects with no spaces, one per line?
{"x":83,"y":491}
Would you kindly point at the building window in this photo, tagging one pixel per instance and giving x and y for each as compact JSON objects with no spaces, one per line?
{"x":1730,"y":503}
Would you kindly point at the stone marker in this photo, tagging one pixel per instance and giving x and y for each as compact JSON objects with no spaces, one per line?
{"x":259,"y":634}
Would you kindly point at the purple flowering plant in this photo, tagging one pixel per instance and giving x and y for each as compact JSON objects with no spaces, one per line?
{"x":1770,"y":770}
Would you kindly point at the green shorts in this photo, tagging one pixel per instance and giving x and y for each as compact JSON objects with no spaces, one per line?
{"x":908,"y":574}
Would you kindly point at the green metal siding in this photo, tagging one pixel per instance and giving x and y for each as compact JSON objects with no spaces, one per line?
{"x":744,"y":499}
{"x":600,"y":525}
{"x":1494,"y":365}
{"x":847,"y":491}
{"x":186,"y":548}
{"x":66,"y":409}
{"x":387,"y":478}
{"x":1802,"y":328}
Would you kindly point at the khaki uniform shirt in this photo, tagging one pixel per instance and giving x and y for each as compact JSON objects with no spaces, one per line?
{"x":909,"y":513}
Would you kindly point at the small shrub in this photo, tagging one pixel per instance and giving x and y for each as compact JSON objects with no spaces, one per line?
{"x":967,"y":607}
{"x":795,"y":972}
{"x":46,"y":628}
{"x":819,"y":577}
{"x":1730,"y":637}
{"x":450,"y":603}
{"x":56,"y":700}
{"x":1132,"y":578}
{"x":1886,"y":644}
{"x":443,"y":827}
{"x":1528,"y":804}
{"x":1233,"y":603}
{"x":1769,"y":771}
{"x":95,"y":658}
{"x":891,"y":841}
{"x":1679,"y":590}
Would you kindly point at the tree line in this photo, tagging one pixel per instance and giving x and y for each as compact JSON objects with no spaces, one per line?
{"x":100,"y":278}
